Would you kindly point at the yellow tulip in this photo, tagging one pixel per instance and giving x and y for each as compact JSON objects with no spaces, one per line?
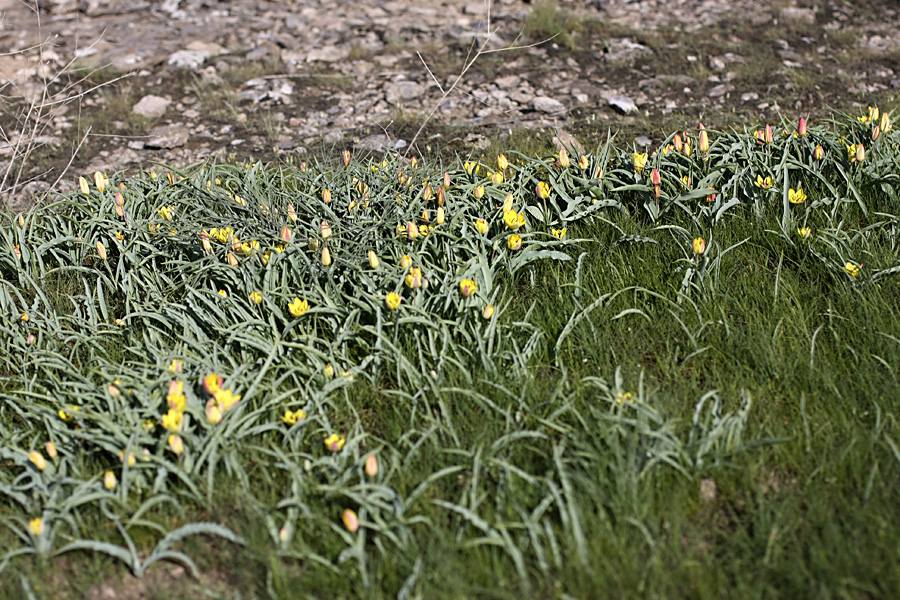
{"x":639,"y":160}
{"x":481,"y":226}
{"x":298,"y":307}
{"x":335,"y":442}
{"x":373,"y":259}
{"x":796,"y":196}
{"x":488,"y":312}
{"x":699,"y":245}
{"x":176,"y":444}
{"x":852,"y":269}
{"x":467,"y":287}
{"x":351,"y":521}
{"x":38,"y":460}
{"x":514,"y":242}
{"x":543,"y":190}
{"x":392,"y":300}
{"x":372,"y":464}
{"x":36,"y":526}
{"x":109,"y":480}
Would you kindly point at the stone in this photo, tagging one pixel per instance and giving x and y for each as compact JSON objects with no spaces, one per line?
{"x":167,"y":137}
{"x":623,"y":104}
{"x":394,"y":93}
{"x":720,"y":90}
{"x":643,"y":140}
{"x":565,"y":139}
{"x":187,"y":59}
{"x":794,"y":13}
{"x":151,"y":106}
{"x":377,"y":142}
{"x":749,"y":97}
{"x":546,"y":105}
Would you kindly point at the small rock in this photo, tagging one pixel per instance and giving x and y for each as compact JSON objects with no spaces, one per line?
{"x":402,"y":90}
{"x":581,"y":98}
{"x":643,"y":141}
{"x":720,"y":90}
{"x":167,"y":137}
{"x":623,"y":104}
{"x":332,"y":137}
{"x":708,"y":491}
{"x":327,"y":54}
{"x":716,"y":63}
{"x":378,"y":142}
{"x":749,"y":97}
{"x":187,"y":59}
{"x":564,"y":138}
{"x":794,"y":13}
{"x":151,"y":106}
{"x":507,"y":81}
{"x":547,"y":105}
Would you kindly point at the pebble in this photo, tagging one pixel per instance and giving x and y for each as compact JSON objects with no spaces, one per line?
{"x":623,"y":104}
{"x":167,"y":137}
{"x":151,"y":106}
{"x":546,"y":105}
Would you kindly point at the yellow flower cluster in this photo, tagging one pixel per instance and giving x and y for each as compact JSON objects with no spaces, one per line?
{"x":222,"y":399}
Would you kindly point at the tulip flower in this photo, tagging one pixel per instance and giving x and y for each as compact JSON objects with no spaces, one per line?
{"x":564,"y":161}
{"x":36,"y":526}
{"x":559,"y":233}
{"x":256,"y":298}
{"x":335,"y":442}
{"x":654,"y":177}
{"x":412,"y":231}
{"x":467,"y":287}
{"x":405,"y":261}
{"x":852,"y":269}
{"x":346,"y":157}
{"x":885,"y":123}
{"x":801,"y":127}
{"x":796,"y":196}
{"x":699,"y":245}
{"x":351,"y":521}
{"x":502,"y":162}
{"x":326,"y":257}
{"x":285,"y":234}
{"x":214,"y":412}
{"x":293,"y":417}
{"x":678,"y":143}
{"x":325,"y":230}
{"x":478,"y":192}
{"x":513,"y":219}
{"x":514,"y":242}
{"x":488,"y":312}
{"x":481,"y":226}
{"x":639,"y":160}
{"x":770,"y":135}
{"x":298,"y":307}
{"x":583,"y":162}
{"x":392,"y":300}
{"x":109,"y":480}
{"x":819,"y":152}
{"x":446,"y":181}
{"x":83,"y":186}
{"x":413,"y":279}
{"x":543,"y":190}
{"x":232,"y":259}
{"x":687,"y":150}
{"x":804,"y":232}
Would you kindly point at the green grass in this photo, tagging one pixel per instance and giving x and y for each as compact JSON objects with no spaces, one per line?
{"x":557,"y":449}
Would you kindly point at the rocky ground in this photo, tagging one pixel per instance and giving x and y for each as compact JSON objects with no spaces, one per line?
{"x":123,"y":84}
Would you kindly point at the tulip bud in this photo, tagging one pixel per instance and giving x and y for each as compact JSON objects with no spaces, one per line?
{"x":502,"y":162}
{"x":699,"y":245}
{"x":346,"y":158}
{"x":654,"y":177}
{"x":326,"y":257}
{"x":232,"y":259}
{"x":488,"y":312}
{"x":703,"y":145}
{"x":204,"y":241}
{"x":885,"y":123}
{"x":38,"y":460}
{"x":176,"y":444}
{"x":583,"y":162}
{"x":770,"y":136}
{"x":373,"y":259}
{"x":446,"y":180}
{"x":50,"y":447}
{"x":372,"y":465}
{"x":412,"y":232}
{"x":426,"y":194}
{"x":113,"y":390}
{"x":425,"y":216}
{"x":876,"y":133}
{"x":325,"y":229}
{"x":329,"y":371}
{"x":564,"y":161}
{"x":405,"y":261}
{"x":687,"y":148}
{"x":543,"y":190}
{"x":351,"y":521}
{"x":860,"y":153}
{"x":109,"y":480}
{"x":100,"y":181}
{"x":801,"y":127}
{"x":119,"y":199}
{"x":326,"y":196}
{"x":440,"y":196}
{"x":291,"y":213}
{"x":440,"y":215}
{"x":819,"y":152}
{"x":677,"y":142}
{"x":497,"y":178}
{"x":285,"y":233}
{"x":213,"y":411}
{"x":478,"y":192}
{"x":101,"y":250}
{"x":508,"y":202}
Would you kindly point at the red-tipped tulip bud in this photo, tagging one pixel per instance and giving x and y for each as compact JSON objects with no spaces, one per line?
{"x":446,"y":180}
{"x":286,"y":234}
{"x":488,"y":312}
{"x":291,"y":213}
{"x":426,"y":195}
{"x":677,"y":142}
{"x":412,"y":232}
{"x":351,"y":521}
{"x":478,"y":192}
{"x":564,"y":161}
{"x":346,"y":158}
{"x":699,"y":245}
{"x":120,"y":199}
{"x":101,"y":250}
{"x":326,"y":196}
{"x":801,"y":127}
{"x":372,"y":465}
{"x":703,"y":145}
{"x":876,"y":133}
{"x":770,"y":135}
{"x":325,"y":228}
{"x":326,"y":257}
{"x":583,"y":162}
{"x":440,"y":196}
{"x":819,"y":152}
{"x":654,"y":177}
{"x":860,"y":153}
{"x":232,"y":259}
